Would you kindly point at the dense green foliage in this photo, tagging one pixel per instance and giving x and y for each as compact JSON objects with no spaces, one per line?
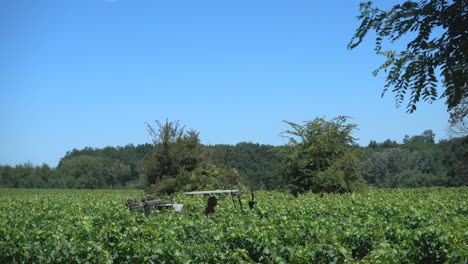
{"x":85,"y":172}
{"x":426,"y":137}
{"x":459,"y":119}
{"x":417,"y":163}
{"x":179,"y":163}
{"x":320,"y":157}
{"x":190,"y":165}
{"x":257,"y":164}
{"x":129,"y":156}
{"x":438,"y":46}
{"x":426,"y":225}
{"x":383,"y":168}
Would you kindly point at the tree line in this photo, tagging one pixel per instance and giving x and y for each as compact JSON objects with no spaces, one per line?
{"x":321,"y":156}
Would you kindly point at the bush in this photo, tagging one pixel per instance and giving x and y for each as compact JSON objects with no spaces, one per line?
{"x":179,"y":163}
{"x":320,"y":157}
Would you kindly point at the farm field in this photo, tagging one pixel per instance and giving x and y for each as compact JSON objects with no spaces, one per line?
{"x":428,"y":225}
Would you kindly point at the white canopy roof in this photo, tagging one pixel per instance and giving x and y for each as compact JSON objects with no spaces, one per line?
{"x":213,"y":192}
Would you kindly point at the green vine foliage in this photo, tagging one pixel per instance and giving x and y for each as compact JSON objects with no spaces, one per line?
{"x":438,"y":52}
{"x":427,"y":225}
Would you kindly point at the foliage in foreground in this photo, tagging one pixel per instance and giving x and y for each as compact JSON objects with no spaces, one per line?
{"x":382,"y":226}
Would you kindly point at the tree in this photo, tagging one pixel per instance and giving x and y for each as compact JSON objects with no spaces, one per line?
{"x":174,"y":150}
{"x":382,"y":168}
{"x":459,"y":119}
{"x":373,"y":144}
{"x":24,"y":176}
{"x":257,"y":164}
{"x":458,"y":175}
{"x":414,"y":70}
{"x":7,"y":176}
{"x":427,"y":136}
{"x":320,"y":157}
{"x":388,"y":143}
{"x":455,"y":158}
{"x":87,"y":172}
{"x":179,"y":162}
{"x":128,"y":155}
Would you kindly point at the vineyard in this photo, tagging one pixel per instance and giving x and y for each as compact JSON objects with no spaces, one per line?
{"x":428,"y":225}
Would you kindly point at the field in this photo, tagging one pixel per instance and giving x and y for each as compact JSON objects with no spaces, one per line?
{"x":427,"y":225}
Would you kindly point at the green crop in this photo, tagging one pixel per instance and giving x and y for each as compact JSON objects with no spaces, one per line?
{"x":427,"y":225}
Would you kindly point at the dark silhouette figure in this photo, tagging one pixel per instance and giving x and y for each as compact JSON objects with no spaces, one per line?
{"x":212,"y":202}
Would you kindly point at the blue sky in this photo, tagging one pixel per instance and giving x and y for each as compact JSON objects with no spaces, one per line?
{"x":92,"y":72}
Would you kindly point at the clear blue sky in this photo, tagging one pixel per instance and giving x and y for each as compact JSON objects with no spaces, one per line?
{"x":83,"y":73}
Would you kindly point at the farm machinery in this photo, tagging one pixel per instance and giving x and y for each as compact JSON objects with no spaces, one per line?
{"x":151,"y":203}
